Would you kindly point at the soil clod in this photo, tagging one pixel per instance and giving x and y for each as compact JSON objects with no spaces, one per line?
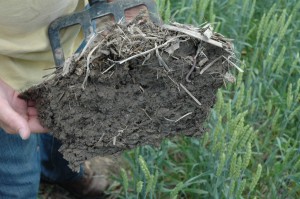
{"x":135,"y":84}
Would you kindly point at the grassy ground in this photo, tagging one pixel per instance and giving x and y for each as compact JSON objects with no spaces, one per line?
{"x":252,"y":148}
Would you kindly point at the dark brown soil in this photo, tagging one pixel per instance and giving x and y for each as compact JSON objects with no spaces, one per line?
{"x":136,"y":103}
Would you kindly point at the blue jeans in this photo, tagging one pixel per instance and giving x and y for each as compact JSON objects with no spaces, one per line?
{"x":24,"y":162}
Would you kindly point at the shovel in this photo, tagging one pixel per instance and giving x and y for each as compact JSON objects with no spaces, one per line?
{"x":86,"y":18}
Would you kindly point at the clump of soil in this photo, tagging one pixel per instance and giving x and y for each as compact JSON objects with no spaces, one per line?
{"x":134,"y":85}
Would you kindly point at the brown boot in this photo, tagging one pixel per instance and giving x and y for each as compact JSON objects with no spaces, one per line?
{"x":94,"y":181}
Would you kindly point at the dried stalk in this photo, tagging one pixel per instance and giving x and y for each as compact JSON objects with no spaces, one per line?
{"x":149,"y":51}
{"x":194,"y":34}
{"x":191,"y":95}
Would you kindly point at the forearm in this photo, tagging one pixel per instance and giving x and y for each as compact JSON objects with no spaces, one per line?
{"x":5,"y":90}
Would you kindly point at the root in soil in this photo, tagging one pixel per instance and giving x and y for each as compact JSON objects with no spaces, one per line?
{"x":133,"y":85}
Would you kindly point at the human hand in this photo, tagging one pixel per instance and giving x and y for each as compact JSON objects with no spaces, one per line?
{"x":17,"y":115}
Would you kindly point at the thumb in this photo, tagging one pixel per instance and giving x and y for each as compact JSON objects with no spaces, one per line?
{"x":24,"y":132}
{"x":12,"y":122}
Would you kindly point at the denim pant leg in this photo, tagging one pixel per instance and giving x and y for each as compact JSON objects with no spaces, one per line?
{"x":22,"y":162}
{"x":19,"y":166}
{"x":54,"y":168}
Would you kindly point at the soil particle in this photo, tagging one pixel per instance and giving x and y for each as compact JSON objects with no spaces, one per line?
{"x":139,"y":102}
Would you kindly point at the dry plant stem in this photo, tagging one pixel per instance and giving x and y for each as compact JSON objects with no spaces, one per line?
{"x":146,"y":113}
{"x":146,"y":59}
{"x":203,"y":61}
{"x":149,"y":51}
{"x":179,"y":118}
{"x":187,"y":78}
{"x":114,"y":140}
{"x":208,"y":33}
{"x":194,"y":64}
{"x":88,"y":61}
{"x":174,"y":83}
{"x":194,"y":34}
{"x":209,"y":65}
{"x":183,"y":116}
{"x":230,"y":62}
{"x":86,"y":77}
{"x":92,"y":38}
{"x":101,"y":137}
{"x":161,"y":61}
{"x":108,"y":69}
{"x":191,"y":95}
{"x":66,"y":67}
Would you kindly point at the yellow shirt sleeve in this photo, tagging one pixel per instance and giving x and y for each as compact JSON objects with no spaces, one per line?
{"x":25,"y":52}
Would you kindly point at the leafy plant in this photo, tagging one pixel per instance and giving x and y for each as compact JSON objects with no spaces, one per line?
{"x":252,"y":147}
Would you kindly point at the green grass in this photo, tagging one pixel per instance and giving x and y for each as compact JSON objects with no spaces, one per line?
{"x":252,"y":148}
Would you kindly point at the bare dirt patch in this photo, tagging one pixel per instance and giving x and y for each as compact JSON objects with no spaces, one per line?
{"x":100,"y":105}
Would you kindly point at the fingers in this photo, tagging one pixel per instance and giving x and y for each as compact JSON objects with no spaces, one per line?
{"x":31,"y":111}
{"x":33,"y":121}
{"x":30,"y":103}
{"x":35,"y":126}
{"x":12,"y":122}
